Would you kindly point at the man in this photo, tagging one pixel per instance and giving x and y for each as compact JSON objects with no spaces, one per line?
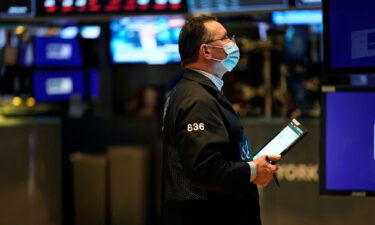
{"x":209,"y":175}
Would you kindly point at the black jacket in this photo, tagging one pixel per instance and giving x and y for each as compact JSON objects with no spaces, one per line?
{"x":206,"y":176}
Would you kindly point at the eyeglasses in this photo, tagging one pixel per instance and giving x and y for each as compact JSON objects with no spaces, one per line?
{"x":232,"y":38}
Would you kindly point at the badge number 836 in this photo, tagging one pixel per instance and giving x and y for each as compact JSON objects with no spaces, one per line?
{"x":195,"y":127}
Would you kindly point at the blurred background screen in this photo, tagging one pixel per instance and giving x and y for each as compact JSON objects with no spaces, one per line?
{"x":57,"y":86}
{"x":17,"y":8}
{"x":351,"y":34}
{"x":146,"y":39}
{"x":349,"y":141}
{"x":56,"y":51}
{"x":308,"y":3}
{"x":235,"y":6}
{"x":56,"y":7}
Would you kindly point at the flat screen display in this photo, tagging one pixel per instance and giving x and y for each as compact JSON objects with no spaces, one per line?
{"x":221,"y":6}
{"x":56,"y":51}
{"x":308,"y":3}
{"x":297,"y":17}
{"x":17,"y":8}
{"x":348,"y":141}
{"x":349,"y":30}
{"x":146,"y":39}
{"x":57,"y":86}
{"x":94,"y":85}
{"x":296,"y":44}
{"x":51,"y":7}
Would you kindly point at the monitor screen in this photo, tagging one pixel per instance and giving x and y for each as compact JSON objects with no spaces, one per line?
{"x":297,"y":17}
{"x":56,"y":51}
{"x":57,"y":86}
{"x":308,"y":3}
{"x":94,"y":85}
{"x":218,"y":6}
{"x":66,"y":7}
{"x":146,"y":39}
{"x":296,"y":44}
{"x":348,"y":141}
{"x":349,"y":35}
{"x":17,"y":8}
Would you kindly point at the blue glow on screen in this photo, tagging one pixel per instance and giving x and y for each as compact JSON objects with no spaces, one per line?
{"x":350,"y":141}
{"x":300,"y":17}
{"x":57,"y":86}
{"x":352,"y":33}
{"x":55,"y":51}
{"x":94,"y":83}
{"x":90,"y":32}
{"x":296,"y":44}
{"x":213,"y":6}
{"x":146,"y":39}
{"x":69,"y":32}
{"x":308,"y":3}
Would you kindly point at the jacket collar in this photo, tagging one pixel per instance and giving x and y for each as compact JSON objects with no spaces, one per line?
{"x":200,"y":78}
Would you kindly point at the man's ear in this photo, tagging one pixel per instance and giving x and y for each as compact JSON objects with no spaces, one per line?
{"x":205,"y":51}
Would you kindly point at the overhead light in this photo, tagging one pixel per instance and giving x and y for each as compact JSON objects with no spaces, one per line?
{"x":90,"y":32}
{"x":69,"y":32}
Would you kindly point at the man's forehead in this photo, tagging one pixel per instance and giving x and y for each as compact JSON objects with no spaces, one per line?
{"x":215,"y":28}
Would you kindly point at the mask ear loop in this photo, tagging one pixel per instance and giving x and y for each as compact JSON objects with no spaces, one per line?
{"x":205,"y":48}
{"x":218,"y":60}
{"x":206,"y":51}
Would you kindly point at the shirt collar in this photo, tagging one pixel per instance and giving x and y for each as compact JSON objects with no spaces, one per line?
{"x":214,"y":79}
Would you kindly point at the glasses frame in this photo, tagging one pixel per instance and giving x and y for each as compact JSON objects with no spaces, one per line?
{"x":232,"y":38}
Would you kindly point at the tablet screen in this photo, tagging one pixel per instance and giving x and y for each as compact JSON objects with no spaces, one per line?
{"x":283,"y":140}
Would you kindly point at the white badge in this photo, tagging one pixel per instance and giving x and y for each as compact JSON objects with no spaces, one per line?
{"x":195,"y":127}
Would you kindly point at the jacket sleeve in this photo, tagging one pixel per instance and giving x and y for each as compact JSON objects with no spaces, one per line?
{"x":202,"y":143}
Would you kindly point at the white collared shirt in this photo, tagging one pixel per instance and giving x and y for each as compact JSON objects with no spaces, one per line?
{"x":214,"y":79}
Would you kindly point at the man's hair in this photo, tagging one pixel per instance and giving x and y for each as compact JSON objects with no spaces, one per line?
{"x":193,"y":34}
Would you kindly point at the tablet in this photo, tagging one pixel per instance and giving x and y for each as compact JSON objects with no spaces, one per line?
{"x":284,"y":140}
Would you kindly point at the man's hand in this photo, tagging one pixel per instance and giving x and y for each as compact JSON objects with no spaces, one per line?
{"x":265,"y":170}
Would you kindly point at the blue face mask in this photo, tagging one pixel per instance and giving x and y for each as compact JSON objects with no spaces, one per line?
{"x":233,"y":55}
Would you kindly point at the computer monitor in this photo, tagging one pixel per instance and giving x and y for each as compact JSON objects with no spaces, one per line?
{"x":296,"y":44}
{"x":56,"y":52}
{"x":308,"y":3}
{"x":218,"y":6}
{"x":349,"y":36}
{"x":17,"y":8}
{"x":146,"y":39}
{"x":58,"y":86}
{"x":94,"y":84}
{"x":90,"y":7}
{"x":297,"y":17}
{"x":347,"y":159}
